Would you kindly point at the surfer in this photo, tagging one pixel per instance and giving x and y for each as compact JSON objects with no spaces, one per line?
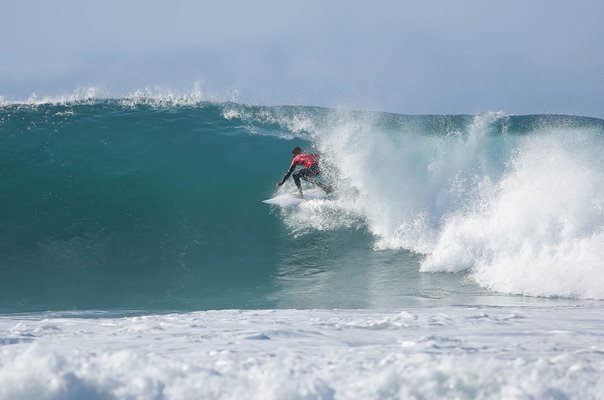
{"x":309,"y":173}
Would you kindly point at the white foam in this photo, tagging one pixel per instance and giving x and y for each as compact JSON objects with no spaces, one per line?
{"x":540,"y":230}
{"x":523,"y":213}
{"x":274,"y":354}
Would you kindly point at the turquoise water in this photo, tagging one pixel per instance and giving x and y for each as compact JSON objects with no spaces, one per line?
{"x":114,"y":204}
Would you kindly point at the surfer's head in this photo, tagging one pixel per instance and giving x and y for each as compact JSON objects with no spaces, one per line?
{"x":296,"y":151}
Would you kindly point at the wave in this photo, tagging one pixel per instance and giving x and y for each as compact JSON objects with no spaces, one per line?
{"x":102,"y":187}
{"x":517,"y":201}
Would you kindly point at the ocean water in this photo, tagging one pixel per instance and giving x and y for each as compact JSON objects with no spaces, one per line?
{"x":460,"y":256}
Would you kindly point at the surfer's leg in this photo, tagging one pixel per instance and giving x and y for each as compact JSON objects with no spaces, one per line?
{"x":326,"y":188}
{"x":311,"y":174}
{"x":296,"y":177}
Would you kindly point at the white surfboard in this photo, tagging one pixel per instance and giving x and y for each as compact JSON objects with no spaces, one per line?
{"x":292,"y":199}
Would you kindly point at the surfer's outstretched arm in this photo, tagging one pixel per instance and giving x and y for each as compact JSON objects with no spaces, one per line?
{"x":286,"y":177}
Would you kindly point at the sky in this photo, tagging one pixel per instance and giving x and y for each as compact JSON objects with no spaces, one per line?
{"x":428,"y":57}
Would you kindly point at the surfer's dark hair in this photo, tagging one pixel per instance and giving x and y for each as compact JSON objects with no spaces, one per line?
{"x":296,"y":151}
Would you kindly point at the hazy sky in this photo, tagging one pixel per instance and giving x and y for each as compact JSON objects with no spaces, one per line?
{"x":427,"y":57}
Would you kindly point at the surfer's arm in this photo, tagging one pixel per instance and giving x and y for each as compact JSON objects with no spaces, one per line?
{"x":291,"y":169}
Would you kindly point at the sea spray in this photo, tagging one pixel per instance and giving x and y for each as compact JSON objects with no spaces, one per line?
{"x":516,"y":201}
{"x":540,"y":229}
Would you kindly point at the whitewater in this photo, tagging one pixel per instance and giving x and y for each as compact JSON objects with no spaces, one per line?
{"x":460,"y":257}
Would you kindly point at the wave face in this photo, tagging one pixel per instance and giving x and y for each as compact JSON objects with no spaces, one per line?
{"x":143,"y":202}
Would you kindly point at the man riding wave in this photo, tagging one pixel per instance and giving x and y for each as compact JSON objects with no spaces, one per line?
{"x":309,"y":173}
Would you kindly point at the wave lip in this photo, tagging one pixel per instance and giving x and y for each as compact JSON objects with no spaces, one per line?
{"x":155,"y":96}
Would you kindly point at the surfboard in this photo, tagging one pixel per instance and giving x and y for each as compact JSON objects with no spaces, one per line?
{"x":292,"y":199}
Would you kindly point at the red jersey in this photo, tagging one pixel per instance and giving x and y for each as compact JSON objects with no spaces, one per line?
{"x":307,"y":160}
